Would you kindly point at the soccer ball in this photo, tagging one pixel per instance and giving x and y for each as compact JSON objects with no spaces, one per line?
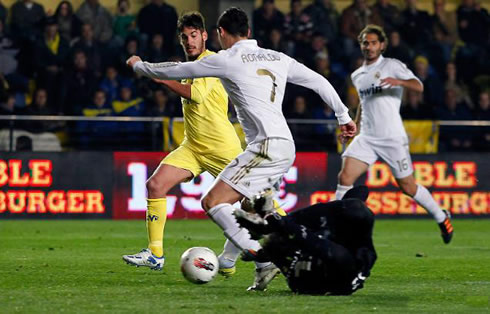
{"x":199,"y":265}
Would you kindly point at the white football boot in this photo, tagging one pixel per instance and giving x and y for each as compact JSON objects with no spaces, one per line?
{"x":145,"y":258}
{"x":263,"y":276}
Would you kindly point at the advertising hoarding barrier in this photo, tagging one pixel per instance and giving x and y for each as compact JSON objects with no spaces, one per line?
{"x":112,"y":185}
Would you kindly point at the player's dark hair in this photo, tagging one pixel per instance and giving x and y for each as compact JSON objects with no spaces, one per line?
{"x":192,"y":19}
{"x":234,"y":21}
{"x":374,"y":29}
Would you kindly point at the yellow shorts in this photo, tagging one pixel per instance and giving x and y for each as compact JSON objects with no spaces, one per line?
{"x":185,"y":158}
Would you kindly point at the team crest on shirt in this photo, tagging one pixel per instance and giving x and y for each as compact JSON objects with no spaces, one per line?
{"x":377,"y":75}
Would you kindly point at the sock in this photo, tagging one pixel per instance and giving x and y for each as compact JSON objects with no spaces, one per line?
{"x":425,"y":199}
{"x":156,"y":215}
{"x":222,"y":215}
{"x":228,"y":257}
{"x":261,"y":265}
{"x":341,"y":190}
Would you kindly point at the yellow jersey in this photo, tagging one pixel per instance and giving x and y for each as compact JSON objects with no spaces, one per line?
{"x":206,"y":125}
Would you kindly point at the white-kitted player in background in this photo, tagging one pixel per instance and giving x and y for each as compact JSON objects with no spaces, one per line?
{"x":255,"y":79}
{"x":380,"y":82}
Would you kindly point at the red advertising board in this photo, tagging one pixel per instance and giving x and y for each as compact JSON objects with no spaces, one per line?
{"x":459,"y":182}
{"x":106,"y":184}
{"x":132,"y":170}
{"x":55,"y":185}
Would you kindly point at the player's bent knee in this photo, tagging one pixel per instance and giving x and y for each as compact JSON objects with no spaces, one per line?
{"x":207,"y":202}
{"x":155,"y":188}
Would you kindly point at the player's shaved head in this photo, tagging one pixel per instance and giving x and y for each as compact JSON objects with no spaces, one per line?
{"x":234,"y":21}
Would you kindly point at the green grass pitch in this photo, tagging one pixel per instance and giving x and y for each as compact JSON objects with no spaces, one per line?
{"x":75,"y":266}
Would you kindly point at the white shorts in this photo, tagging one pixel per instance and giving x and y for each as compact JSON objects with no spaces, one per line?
{"x":394,"y":151}
{"x":261,"y":166}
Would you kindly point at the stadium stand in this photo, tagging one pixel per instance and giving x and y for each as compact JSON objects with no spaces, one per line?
{"x":70,"y":51}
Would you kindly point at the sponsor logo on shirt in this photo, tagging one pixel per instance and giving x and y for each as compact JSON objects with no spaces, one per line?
{"x":370,"y":91}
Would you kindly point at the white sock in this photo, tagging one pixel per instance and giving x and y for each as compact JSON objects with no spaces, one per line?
{"x":261,"y":265}
{"x":222,"y":215}
{"x":230,"y":250}
{"x":228,"y":257}
{"x":239,"y":238}
{"x":341,"y":190}
{"x":425,"y":199}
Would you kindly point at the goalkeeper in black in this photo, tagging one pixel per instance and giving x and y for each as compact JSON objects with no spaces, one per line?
{"x":326,"y":248}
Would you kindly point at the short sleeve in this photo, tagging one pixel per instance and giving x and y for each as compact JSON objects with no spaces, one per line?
{"x":400,"y":71}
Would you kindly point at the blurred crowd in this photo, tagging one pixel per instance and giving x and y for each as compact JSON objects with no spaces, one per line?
{"x":72,"y":62}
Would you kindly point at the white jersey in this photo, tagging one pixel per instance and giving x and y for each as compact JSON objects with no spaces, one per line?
{"x":255,"y":79}
{"x":380,"y":106}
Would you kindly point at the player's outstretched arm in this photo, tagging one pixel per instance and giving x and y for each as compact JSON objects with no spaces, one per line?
{"x":400,"y":75}
{"x":214,"y":66}
{"x":301,"y":75}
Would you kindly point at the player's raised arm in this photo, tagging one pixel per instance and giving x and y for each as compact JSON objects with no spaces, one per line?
{"x":301,"y":75}
{"x":402,"y":76}
{"x":214,"y":66}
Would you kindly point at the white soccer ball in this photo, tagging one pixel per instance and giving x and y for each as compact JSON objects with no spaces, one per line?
{"x":199,"y":265}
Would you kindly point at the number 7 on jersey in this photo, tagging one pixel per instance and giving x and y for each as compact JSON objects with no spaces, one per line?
{"x":273,"y":77}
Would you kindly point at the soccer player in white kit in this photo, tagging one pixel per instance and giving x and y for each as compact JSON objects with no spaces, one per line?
{"x":255,"y":79}
{"x":380,"y":82}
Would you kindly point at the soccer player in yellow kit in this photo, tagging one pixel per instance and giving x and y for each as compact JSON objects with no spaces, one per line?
{"x":210,"y":143}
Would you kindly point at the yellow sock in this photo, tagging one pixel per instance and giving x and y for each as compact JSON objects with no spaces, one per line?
{"x":156,"y":215}
{"x":278,"y":208}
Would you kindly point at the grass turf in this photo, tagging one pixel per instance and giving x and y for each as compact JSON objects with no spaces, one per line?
{"x":76,"y":266}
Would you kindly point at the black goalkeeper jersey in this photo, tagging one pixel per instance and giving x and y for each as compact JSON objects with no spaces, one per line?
{"x":324,"y":249}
